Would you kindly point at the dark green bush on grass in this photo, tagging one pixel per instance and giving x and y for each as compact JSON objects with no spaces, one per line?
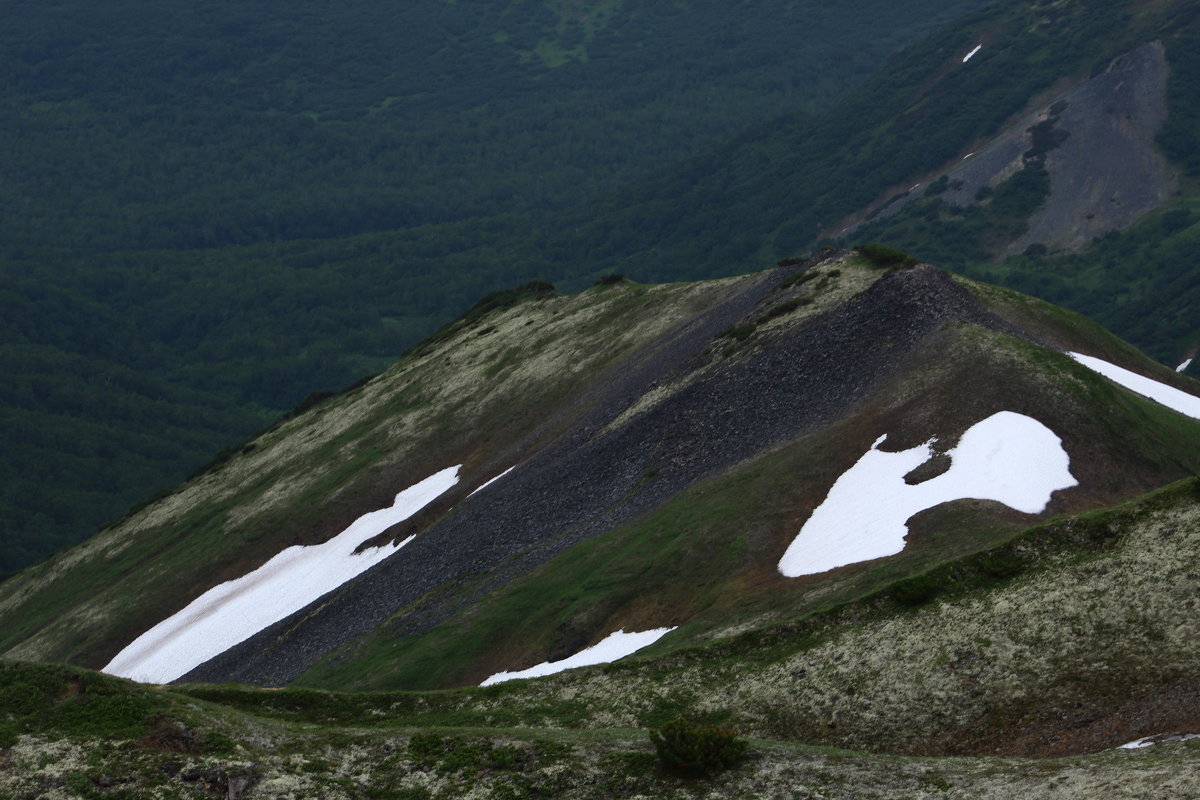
{"x":885,"y":256}
{"x":919,"y":589}
{"x":690,"y":748}
{"x":740,"y":332}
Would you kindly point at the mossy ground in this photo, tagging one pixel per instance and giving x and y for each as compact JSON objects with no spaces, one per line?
{"x":1071,"y":636}
{"x":166,"y":745}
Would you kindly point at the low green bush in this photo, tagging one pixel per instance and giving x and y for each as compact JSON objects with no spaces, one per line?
{"x":690,"y":748}
{"x":885,"y":256}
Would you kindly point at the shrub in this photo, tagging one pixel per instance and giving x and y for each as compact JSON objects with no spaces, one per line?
{"x":799,"y":279}
{"x":740,"y":332}
{"x":690,"y":748}
{"x":782,"y":308}
{"x":610,"y":279}
{"x":919,"y":589}
{"x":882,"y":255}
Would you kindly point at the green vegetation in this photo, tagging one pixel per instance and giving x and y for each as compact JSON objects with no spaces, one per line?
{"x":962,"y":237}
{"x":71,"y":702}
{"x":198,"y":750}
{"x":884,"y":256}
{"x":690,"y":748}
{"x":1139,"y":281}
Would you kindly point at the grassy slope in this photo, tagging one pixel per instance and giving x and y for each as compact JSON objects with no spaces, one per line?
{"x":152,"y":743}
{"x":1020,"y":648}
{"x":706,"y":560}
{"x":463,"y":398}
{"x":1085,"y":612}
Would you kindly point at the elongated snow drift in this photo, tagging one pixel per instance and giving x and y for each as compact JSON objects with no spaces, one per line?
{"x":1008,"y":457}
{"x":1169,"y":396}
{"x":615,"y":646}
{"x":236,"y":610}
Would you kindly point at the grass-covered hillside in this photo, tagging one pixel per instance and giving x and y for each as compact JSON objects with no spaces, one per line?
{"x":665,"y":444}
{"x":1067,"y":641}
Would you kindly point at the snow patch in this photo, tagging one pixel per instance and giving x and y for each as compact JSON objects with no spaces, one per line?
{"x":612,"y":647}
{"x":1159,"y":739}
{"x":236,"y":610}
{"x":1184,"y":365}
{"x":969,"y":55}
{"x":1008,"y":457}
{"x":486,"y":484}
{"x":1169,"y":396}
{"x":968,"y":155}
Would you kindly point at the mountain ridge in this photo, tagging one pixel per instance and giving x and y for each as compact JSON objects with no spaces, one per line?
{"x":832,"y":352}
{"x":641,"y":458}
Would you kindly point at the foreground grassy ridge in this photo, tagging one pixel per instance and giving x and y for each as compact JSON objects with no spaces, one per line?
{"x":1064,"y":622}
{"x":143,"y":743}
{"x":1097,"y":620}
{"x":464,"y":398}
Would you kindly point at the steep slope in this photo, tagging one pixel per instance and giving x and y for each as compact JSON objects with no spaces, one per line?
{"x":496,"y":390}
{"x":666,"y":445}
{"x":247,"y":202}
{"x":1095,"y":145}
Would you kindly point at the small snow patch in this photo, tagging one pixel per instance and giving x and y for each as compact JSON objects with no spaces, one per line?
{"x":490,"y":482}
{"x":1161,"y":738}
{"x":234,"y":611}
{"x":1008,"y":457}
{"x":968,"y":155}
{"x":1184,"y":365}
{"x":1169,"y":396}
{"x":969,"y":55}
{"x":612,"y":647}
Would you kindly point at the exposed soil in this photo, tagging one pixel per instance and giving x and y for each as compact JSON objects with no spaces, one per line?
{"x":1105,"y":174}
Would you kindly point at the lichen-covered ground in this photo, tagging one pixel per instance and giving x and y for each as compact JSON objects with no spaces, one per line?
{"x":620,"y":764}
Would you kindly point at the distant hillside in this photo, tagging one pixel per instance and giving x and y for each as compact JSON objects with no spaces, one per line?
{"x":343,"y":234}
{"x":214,"y":209}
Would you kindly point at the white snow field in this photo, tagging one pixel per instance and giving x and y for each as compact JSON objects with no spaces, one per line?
{"x":1169,"y":396}
{"x":612,"y":647}
{"x":1184,"y":365}
{"x":1160,"y":739}
{"x":488,"y":483}
{"x":968,"y":56}
{"x":236,"y":610}
{"x":1008,"y":457}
